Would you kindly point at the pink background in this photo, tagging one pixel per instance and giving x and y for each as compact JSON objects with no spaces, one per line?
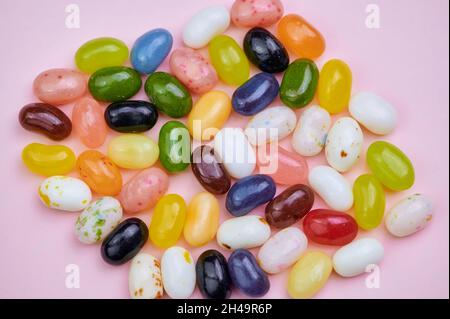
{"x":406,"y":61}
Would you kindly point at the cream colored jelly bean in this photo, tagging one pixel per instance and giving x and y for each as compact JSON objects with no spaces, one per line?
{"x":144,"y":277}
{"x":133,"y":151}
{"x":178,"y":272}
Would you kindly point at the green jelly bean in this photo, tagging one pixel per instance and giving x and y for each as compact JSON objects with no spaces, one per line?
{"x":299,"y":83}
{"x":116,"y":83}
{"x":168,"y":94}
{"x":174,"y":146}
{"x":370,"y":201}
{"x":390,"y":166}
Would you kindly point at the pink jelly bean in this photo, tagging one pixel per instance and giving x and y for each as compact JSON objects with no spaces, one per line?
{"x":286,"y":168}
{"x":144,"y":190}
{"x":252,"y":13}
{"x":193,"y":70}
{"x":59,"y":86}
{"x":88,"y":122}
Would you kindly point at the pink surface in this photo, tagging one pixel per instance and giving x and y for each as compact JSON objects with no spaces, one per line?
{"x":406,"y":61}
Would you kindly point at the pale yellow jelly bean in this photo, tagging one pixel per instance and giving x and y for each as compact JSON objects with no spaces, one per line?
{"x":209,"y":115}
{"x":133,"y":151}
{"x":309,"y":275}
{"x":202,"y":219}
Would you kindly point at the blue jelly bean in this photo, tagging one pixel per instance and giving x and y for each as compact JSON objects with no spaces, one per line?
{"x":150,"y":50}
{"x":246,"y":274}
{"x":248,"y":193}
{"x":256,"y":94}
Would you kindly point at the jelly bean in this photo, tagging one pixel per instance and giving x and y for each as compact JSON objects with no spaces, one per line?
{"x":270,"y":125}
{"x":202,"y":219}
{"x":101,"y":53}
{"x":150,"y":50}
{"x":265,"y":51}
{"x":328,"y":227}
{"x":98,"y":220}
{"x":133,"y":151}
{"x":48,"y":160}
{"x":390,"y":166}
{"x":369,"y":201}
{"x":65,"y":193}
{"x":144,"y":277}
{"x":131,"y":116}
{"x":334,"y":189}
{"x":373,"y":112}
{"x":209,"y":115}
{"x":282,"y":250}
{"x":410,"y":215}
{"x":249,"y":193}
{"x":59,"y":86}
{"x":344,"y":144}
{"x":353,"y":259}
{"x":309,"y":275}
{"x":45,"y":119}
{"x":174,"y":146}
{"x":124,"y":242}
{"x":178,"y":272}
{"x":229,"y":60}
{"x":168,"y":220}
{"x":299,"y":83}
{"x":204,"y":25}
{"x":193,"y":70}
{"x":99,"y":172}
{"x":209,"y":170}
{"x":290,"y":167}
{"x":213,"y":279}
{"x":243,"y":232}
{"x":311,"y":132}
{"x":115,"y":83}
{"x":300,"y":37}
{"x":168,"y":94}
{"x":89,"y":122}
{"x":247,"y":14}
{"x":289,"y":206}
{"x":256,"y":94}
{"x":246,"y":274}
{"x":335,"y":86}
{"x":144,"y":190}
{"x":236,"y":153}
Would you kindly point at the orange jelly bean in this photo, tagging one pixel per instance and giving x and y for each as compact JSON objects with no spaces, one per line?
{"x":99,"y":172}
{"x":300,"y":37}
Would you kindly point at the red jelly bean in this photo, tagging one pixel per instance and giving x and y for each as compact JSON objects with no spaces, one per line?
{"x":328,"y":227}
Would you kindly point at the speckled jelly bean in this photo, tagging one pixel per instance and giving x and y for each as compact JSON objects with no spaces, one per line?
{"x":370,"y":201}
{"x":98,"y":220}
{"x":174,"y":146}
{"x":213,"y":279}
{"x":89,"y":122}
{"x":247,"y":14}
{"x":48,"y":160}
{"x":178,"y":272}
{"x":133,"y":151}
{"x":131,"y":116}
{"x":255,"y":94}
{"x":144,"y":277}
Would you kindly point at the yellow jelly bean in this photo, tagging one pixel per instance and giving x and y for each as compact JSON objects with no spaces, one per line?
{"x":168,"y":220}
{"x":202,"y":219}
{"x":48,"y":160}
{"x":133,"y":151}
{"x":369,"y":201}
{"x":208,"y":115}
{"x":335,"y":85}
{"x":229,"y":60}
{"x":309,"y":275}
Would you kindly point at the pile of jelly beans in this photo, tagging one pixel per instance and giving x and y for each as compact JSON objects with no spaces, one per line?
{"x":226,"y":154}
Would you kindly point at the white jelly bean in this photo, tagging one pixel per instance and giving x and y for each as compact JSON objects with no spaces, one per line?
{"x":353,"y":259}
{"x":334,"y":189}
{"x":282,"y":250}
{"x":310,"y":135}
{"x":409,"y":215}
{"x":98,"y":220}
{"x":65,"y":193}
{"x":204,"y":25}
{"x":144,"y":278}
{"x":272,"y":124}
{"x":243,"y":232}
{"x":344,"y":144}
{"x":236,"y":153}
{"x":373,"y":112}
{"x":178,"y":272}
